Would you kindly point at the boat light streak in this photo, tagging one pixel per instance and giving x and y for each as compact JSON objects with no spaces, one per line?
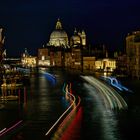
{"x":3,"y":130}
{"x":111,"y":97}
{"x":66,"y":123}
{"x":115,"y":83}
{"x":71,"y":113}
{"x":72,"y":104}
{"x":50,"y":77}
{"x":12,"y":127}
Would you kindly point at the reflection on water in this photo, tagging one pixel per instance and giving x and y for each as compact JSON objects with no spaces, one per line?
{"x":102,"y":118}
{"x":109,"y":126}
{"x":45,"y":104}
{"x":38,"y":113}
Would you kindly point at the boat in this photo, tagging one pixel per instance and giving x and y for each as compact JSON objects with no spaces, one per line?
{"x":9,"y":97}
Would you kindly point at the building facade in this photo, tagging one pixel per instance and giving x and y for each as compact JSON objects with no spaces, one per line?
{"x":133,"y":54}
{"x":60,"y":52}
{"x":121,"y":65}
{"x":28,"y":61}
{"x":89,"y":63}
{"x":43,"y":57}
{"x":106,"y":64}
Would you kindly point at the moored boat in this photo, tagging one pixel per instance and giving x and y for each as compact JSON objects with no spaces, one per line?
{"x":9,"y":97}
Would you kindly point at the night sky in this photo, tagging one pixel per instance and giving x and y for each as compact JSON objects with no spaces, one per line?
{"x":28,"y":23}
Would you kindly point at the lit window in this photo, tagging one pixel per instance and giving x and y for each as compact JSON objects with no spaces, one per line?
{"x":43,"y":57}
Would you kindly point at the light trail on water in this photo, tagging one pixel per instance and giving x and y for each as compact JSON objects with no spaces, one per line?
{"x":111,"y":98}
{"x":2,"y":130}
{"x":72,"y":116}
{"x":67,"y":123}
{"x":66,"y":111}
{"x":6,"y":130}
{"x":101,"y":115}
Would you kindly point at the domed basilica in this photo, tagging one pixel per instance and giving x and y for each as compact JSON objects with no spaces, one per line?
{"x":59,"y":37}
{"x":62,"y":51}
{"x":70,"y":53}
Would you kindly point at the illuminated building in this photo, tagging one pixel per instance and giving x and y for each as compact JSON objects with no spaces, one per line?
{"x":59,"y":52}
{"x":83,"y":37}
{"x":89,"y":63}
{"x":58,"y":37}
{"x":106,"y":64}
{"x":69,"y":62}
{"x":79,"y":38}
{"x":133,"y":54}
{"x":28,"y":60}
{"x":57,"y":58}
{"x":43,"y":57}
{"x":76,"y":58}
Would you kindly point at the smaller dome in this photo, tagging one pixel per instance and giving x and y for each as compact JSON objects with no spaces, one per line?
{"x":75,"y":39}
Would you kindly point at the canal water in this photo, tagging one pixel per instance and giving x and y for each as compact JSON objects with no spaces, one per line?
{"x":129,"y":121}
{"x":43,"y":106}
{"x":45,"y":103}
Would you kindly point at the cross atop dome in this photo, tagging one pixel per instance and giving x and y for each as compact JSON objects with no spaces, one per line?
{"x":58,"y":25}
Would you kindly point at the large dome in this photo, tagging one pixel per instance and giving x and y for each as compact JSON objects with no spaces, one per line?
{"x":58,"y":37}
{"x":59,"y":34}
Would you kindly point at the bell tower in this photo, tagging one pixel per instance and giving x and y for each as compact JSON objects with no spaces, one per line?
{"x":83,"y":38}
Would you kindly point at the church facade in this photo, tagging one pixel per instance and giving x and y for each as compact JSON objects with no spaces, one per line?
{"x":69,"y":52}
{"x":60,"y":51}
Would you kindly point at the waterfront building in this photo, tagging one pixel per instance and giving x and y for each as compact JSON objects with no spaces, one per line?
{"x":77,"y":58}
{"x":28,"y":60}
{"x":105,"y":64}
{"x":89,"y":63}
{"x":121,"y":65}
{"x":133,"y":54}
{"x":43,"y":57}
{"x":60,"y":52}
